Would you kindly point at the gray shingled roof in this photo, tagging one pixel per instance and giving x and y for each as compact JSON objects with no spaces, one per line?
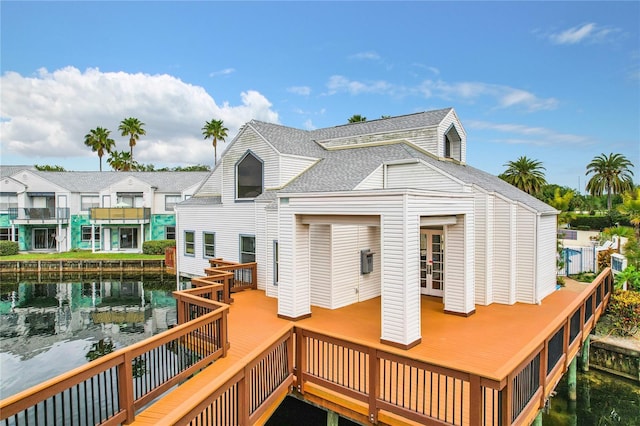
{"x":96,"y":181}
{"x":6,"y":171}
{"x":343,"y":170}
{"x":201,"y":201}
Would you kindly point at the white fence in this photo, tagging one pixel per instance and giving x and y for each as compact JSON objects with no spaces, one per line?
{"x":579,"y":259}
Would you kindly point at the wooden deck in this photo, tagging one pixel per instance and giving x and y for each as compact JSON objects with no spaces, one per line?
{"x":491,"y":344}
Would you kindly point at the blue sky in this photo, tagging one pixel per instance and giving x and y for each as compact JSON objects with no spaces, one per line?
{"x":558,"y":82}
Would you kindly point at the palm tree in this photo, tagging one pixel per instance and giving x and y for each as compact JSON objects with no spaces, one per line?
{"x":215,"y":130}
{"x":133,"y":128}
{"x":99,"y":141}
{"x":525,"y":174}
{"x":356,"y":118}
{"x":120,"y":161}
{"x":611,"y":174}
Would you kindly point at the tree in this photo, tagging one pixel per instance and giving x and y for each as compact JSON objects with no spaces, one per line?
{"x":120,"y":161}
{"x":48,"y":168}
{"x":99,"y":141}
{"x":525,"y":174}
{"x":133,"y":128}
{"x":631,"y":207}
{"x":562,"y":202}
{"x":611,"y":174}
{"x":215,"y":130}
{"x":356,"y":118}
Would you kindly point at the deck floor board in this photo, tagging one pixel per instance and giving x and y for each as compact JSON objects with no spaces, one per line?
{"x":490,"y":343}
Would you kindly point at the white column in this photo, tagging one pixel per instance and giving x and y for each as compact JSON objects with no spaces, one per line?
{"x":93,"y":237}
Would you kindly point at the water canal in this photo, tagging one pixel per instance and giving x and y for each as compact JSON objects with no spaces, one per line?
{"x":50,"y":326}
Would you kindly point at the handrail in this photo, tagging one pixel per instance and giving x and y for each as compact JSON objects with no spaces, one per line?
{"x":245,"y":275}
{"x":132,"y":376}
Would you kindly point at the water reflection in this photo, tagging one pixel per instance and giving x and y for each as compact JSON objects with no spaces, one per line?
{"x":48,"y":328}
{"x":603,"y":399}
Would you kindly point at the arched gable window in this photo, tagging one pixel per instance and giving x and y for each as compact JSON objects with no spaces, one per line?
{"x":452,"y":144}
{"x":249,"y":176}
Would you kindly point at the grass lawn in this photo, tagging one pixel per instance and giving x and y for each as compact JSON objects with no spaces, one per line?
{"x":75,"y":255}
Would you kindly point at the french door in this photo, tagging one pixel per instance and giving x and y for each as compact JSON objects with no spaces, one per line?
{"x":44,"y":238}
{"x":128,"y":238}
{"x":432,"y":262}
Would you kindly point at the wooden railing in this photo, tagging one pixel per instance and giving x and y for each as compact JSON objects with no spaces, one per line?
{"x":109,"y":390}
{"x":249,"y":390}
{"x":386,"y":383}
{"x":244,"y":275}
{"x":378,"y":385}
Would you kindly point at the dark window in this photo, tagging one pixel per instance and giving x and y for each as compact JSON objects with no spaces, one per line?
{"x":247,"y":248}
{"x":86,"y":233}
{"x":249,"y":177}
{"x":170,"y":201}
{"x":209,"y":244}
{"x":5,"y":234}
{"x":88,"y":202}
{"x":170,"y":232}
{"x":189,"y":243}
{"x":447,"y":147}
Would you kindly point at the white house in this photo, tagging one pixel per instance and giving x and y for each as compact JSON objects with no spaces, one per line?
{"x":60,"y":211}
{"x":386,"y":208}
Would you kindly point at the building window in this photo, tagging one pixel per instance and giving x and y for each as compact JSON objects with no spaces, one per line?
{"x":88,"y":202}
{"x":128,"y":199}
{"x":209,"y":244}
{"x":452,"y":144}
{"x":189,"y":243}
{"x":247,"y":248}
{"x":8,"y":201}
{"x":170,"y":232}
{"x":249,"y":176}
{"x":170,"y":201}
{"x":276,"y":262}
{"x":5,"y":234}
{"x":86,"y":233}
{"x":447,"y":147}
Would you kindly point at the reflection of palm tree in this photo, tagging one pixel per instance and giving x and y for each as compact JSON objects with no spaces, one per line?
{"x":101,"y":348}
{"x":611,"y":174}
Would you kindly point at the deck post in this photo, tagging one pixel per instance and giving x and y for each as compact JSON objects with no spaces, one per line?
{"x":125,"y":388}
{"x":475,"y":400}
{"x":332,"y":418}
{"x":584,"y":356}
{"x":571,"y":379}
{"x":374,"y":384}
{"x":301,"y":355}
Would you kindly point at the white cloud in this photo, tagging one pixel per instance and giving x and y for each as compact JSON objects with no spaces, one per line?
{"x":338,"y":83}
{"x":47,"y":115}
{"x":225,"y":71}
{"x":586,"y":32}
{"x":300,"y":90}
{"x":369,"y":56}
{"x":518,"y":134}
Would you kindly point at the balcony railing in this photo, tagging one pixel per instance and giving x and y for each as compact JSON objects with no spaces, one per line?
{"x":39,"y":214}
{"x":120,"y":214}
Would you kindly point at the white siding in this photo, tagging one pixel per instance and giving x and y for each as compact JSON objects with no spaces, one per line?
{"x":419,"y":176}
{"x":321,"y":266}
{"x":503,"y":238}
{"x":426,"y":139}
{"x":263,"y":247}
{"x":546,"y":256}
{"x":345,"y":265}
{"x":525,"y":257}
{"x":291,"y":167}
{"x":213,"y":184}
{"x":481,"y":225}
{"x":459,"y":288}
{"x":444,"y":125}
{"x":369,"y":285}
{"x":374,"y":181}
{"x":272,"y":235}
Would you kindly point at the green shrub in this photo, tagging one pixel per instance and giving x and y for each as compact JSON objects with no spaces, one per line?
{"x":624,"y":310}
{"x":8,"y":248}
{"x":157,"y":246}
